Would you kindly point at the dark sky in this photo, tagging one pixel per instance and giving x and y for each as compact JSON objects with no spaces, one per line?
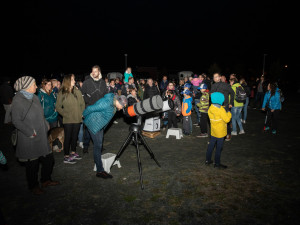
{"x":51,"y":36}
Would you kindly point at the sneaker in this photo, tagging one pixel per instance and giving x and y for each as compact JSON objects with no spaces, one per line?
{"x":76,"y":156}
{"x":202,"y":135}
{"x":266,"y":128}
{"x":233,"y":133}
{"x":242,"y":132}
{"x":69,"y":160}
{"x":208,"y":162}
{"x":244,"y":121}
{"x":115,"y":122}
{"x":103,"y":175}
{"x":273,"y":131}
{"x":80,"y":144}
{"x":228,"y":137}
{"x":220,"y":166}
{"x":195,"y":124}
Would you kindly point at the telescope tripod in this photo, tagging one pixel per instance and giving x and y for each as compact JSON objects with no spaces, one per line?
{"x":137,"y":139}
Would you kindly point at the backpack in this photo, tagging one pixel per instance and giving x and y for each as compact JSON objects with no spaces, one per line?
{"x":241,"y":94}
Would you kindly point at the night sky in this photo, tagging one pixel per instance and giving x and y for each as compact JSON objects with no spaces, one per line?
{"x":51,"y":36}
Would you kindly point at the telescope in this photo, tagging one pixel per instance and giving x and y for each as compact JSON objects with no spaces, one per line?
{"x":153,"y":104}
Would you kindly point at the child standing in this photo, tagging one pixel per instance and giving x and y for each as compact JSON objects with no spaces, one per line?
{"x":218,"y":119}
{"x":203,"y":108}
{"x":186,"y":112}
{"x":173,"y":113}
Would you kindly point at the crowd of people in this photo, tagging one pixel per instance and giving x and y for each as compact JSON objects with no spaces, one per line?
{"x":83,"y":108}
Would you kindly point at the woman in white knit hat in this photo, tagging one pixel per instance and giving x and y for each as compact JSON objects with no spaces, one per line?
{"x":32,"y":143}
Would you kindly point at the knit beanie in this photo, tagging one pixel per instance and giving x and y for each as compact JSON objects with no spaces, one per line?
{"x":121,"y":99}
{"x":23,"y":83}
{"x":217,"y":98}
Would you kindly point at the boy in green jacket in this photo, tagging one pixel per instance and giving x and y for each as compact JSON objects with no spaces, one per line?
{"x":203,"y":108}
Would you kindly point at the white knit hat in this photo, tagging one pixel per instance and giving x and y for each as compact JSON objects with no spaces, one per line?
{"x":23,"y":83}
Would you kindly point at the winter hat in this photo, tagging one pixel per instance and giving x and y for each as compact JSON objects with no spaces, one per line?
{"x":195,"y":76}
{"x":203,"y":86}
{"x":186,"y":91}
{"x":187,"y":85}
{"x":23,"y":83}
{"x":122,"y":99}
{"x":217,"y":98}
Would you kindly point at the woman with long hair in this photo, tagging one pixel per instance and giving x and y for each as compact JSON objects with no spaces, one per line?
{"x":272,"y":105}
{"x":70,"y":105}
{"x":48,"y":100}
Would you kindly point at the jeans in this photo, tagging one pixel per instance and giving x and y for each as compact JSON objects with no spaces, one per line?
{"x":245,"y":107}
{"x":86,"y":137}
{"x":236,"y":118}
{"x":197,"y":110}
{"x":71,"y":135}
{"x":98,"y":145}
{"x":80,"y":134}
{"x":213,"y":141}
{"x":166,"y":120}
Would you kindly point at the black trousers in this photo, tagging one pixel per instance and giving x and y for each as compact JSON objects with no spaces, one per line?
{"x":272,"y":119}
{"x":172,"y":120}
{"x":203,"y":122}
{"x":71,"y":136}
{"x":32,"y":169}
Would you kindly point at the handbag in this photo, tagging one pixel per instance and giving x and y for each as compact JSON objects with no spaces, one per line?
{"x":14,"y":133}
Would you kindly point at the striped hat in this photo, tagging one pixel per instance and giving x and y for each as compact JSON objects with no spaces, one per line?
{"x":23,"y":83}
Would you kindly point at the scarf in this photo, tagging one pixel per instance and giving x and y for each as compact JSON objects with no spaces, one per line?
{"x":27,"y":94}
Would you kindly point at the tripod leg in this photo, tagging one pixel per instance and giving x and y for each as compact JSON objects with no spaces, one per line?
{"x":148,"y":149}
{"x":127,"y":141}
{"x":139,"y":161}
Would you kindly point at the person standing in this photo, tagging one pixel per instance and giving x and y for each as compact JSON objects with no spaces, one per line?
{"x":6,"y":96}
{"x":93,"y":89}
{"x":70,"y":105}
{"x":186,"y":112}
{"x":228,"y":93}
{"x":218,"y":119}
{"x":48,"y":100}
{"x":272,"y":104}
{"x":163,"y":84}
{"x":245,"y":107}
{"x":32,"y":144}
{"x":260,"y":92}
{"x":176,"y":111}
{"x":203,"y":108}
{"x":236,"y":110}
{"x":150,"y":89}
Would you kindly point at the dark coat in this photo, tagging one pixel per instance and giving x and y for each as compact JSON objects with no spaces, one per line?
{"x":150,"y":91}
{"x":29,"y":147}
{"x":226,"y":90}
{"x":93,"y":90}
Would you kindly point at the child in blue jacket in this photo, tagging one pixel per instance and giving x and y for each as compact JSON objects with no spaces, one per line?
{"x":272,"y":105}
{"x":186,"y":112}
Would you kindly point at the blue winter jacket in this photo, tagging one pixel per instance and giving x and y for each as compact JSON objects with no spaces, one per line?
{"x":274,"y":101}
{"x":98,"y":115}
{"x":48,"y":103}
